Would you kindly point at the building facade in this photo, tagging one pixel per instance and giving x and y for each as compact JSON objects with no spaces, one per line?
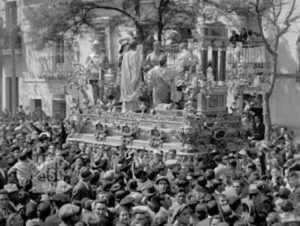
{"x":41,"y":76}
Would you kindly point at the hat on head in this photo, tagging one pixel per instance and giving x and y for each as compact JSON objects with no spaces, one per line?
{"x":60,"y":198}
{"x":115,"y":187}
{"x":127,"y":201}
{"x":177,"y":211}
{"x":34,"y":222}
{"x":253,"y":189}
{"x":85,"y":172}
{"x":119,"y":195}
{"x":149,"y":191}
{"x":10,"y":188}
{"x":44,"y":206}
{"x":62,"y":187}
{"x":109,"y":175}
{"x":171,"y":163}
{"x":66,"y":146}
{"x":284,"y":193}
{"x":68,"y":210}
{"x":36,"y":190}
{"x":162,"y":178}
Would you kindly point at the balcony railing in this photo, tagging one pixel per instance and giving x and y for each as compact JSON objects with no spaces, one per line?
{"x":50,"y":69}
{"x":247,"y":53}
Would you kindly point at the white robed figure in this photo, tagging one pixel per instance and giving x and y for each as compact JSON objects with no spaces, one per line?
{"x":131,"y":78}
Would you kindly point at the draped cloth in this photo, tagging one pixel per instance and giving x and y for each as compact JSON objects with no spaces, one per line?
{"x":162,"y":81}
{"x":131,"y":80}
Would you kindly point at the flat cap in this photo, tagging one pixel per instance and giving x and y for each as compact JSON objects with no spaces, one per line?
{"x":68,"y":210}
{"x":60,"y":198}
{"x":10,"y":188}
{"x":127,"y":201}
{"x":44,"y":206}
{"x":85,"y":172}
{"x":171,"y":163}
{"x":36,"y":190}
{"x":66,"y":146}
{"x":34,"y":222}
{"x":62,"y":187}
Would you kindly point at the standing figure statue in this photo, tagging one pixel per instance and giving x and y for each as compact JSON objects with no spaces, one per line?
{"x":131,"y":78}
{"x":152,"y":58}
{"x":162,"y":79}
{"x":184,"y":59}
{"x":97,"y":63}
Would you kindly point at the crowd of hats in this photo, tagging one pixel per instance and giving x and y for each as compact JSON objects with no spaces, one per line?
{"x":257,"y":185}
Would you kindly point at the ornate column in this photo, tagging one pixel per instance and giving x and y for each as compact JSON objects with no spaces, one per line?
{"x":215,"y":59}
{"x":204,"y":56}
{"x":222,"y":66}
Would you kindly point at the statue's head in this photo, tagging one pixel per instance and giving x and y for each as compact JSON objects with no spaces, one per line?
{"x":156,"y":45}
{"x":96,"y":45}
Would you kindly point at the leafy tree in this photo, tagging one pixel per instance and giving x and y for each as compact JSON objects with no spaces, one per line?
{"x":50,"y":19}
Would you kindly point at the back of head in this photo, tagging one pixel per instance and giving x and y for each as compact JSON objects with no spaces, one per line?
{"x":132,"y":44}
{"x":182,"y":46}
{"x":212,"y":208}
{"x":163,"y":60}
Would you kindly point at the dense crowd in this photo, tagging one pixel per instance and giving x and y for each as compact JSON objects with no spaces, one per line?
{"x":45,"y":180}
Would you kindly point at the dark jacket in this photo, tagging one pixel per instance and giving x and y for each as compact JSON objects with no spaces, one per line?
{"x":80,"y":191}
{"x":258,"y":131}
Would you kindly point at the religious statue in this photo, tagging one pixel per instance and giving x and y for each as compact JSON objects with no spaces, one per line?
{"x":162,"y":80}
{"x":101,"y":132}
{"x":131,"y":78}
{"x":157,"y":138}
{"x":184,"y":59}
{"x":152,"y":58}
{"x":129,"y":133}
{"x":97,"y":64}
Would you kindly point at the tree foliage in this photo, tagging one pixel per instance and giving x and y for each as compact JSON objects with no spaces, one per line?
{"x":52,"y":18}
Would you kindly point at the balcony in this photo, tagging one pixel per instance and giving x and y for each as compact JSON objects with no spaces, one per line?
{"x":51,"y":69}
{"x":249,"y":53}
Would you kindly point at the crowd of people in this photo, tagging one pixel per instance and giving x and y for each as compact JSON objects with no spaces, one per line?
{"x":46,"y":180}
{"x":246,"y":37}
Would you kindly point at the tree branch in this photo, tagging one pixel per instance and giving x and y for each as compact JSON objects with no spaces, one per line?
{"x":261,"y":30}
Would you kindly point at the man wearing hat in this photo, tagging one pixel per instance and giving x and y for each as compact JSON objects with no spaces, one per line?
{"x":83,"y":189}
{"x":69,"y":215}
{"x":12,"y":192}
{"x":58,"y":201}
{"x":31,"y":207}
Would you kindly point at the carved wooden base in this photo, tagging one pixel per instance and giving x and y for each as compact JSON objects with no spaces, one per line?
{"x":214,"y":104}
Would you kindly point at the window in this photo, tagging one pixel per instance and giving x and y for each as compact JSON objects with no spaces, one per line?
{"x":10,"y":14}
{"x":100,"y":34}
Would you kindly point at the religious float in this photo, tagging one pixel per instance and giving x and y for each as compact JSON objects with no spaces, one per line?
{"x":202,"y":126}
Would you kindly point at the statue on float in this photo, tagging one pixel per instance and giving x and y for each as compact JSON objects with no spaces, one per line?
{"x":97,"y":64}
{"x":162,"y":80}
{"x":131,"y":78}
{"x":157,"y":138}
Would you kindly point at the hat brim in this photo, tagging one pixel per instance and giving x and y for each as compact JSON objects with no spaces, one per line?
{"x":162,"y":178}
